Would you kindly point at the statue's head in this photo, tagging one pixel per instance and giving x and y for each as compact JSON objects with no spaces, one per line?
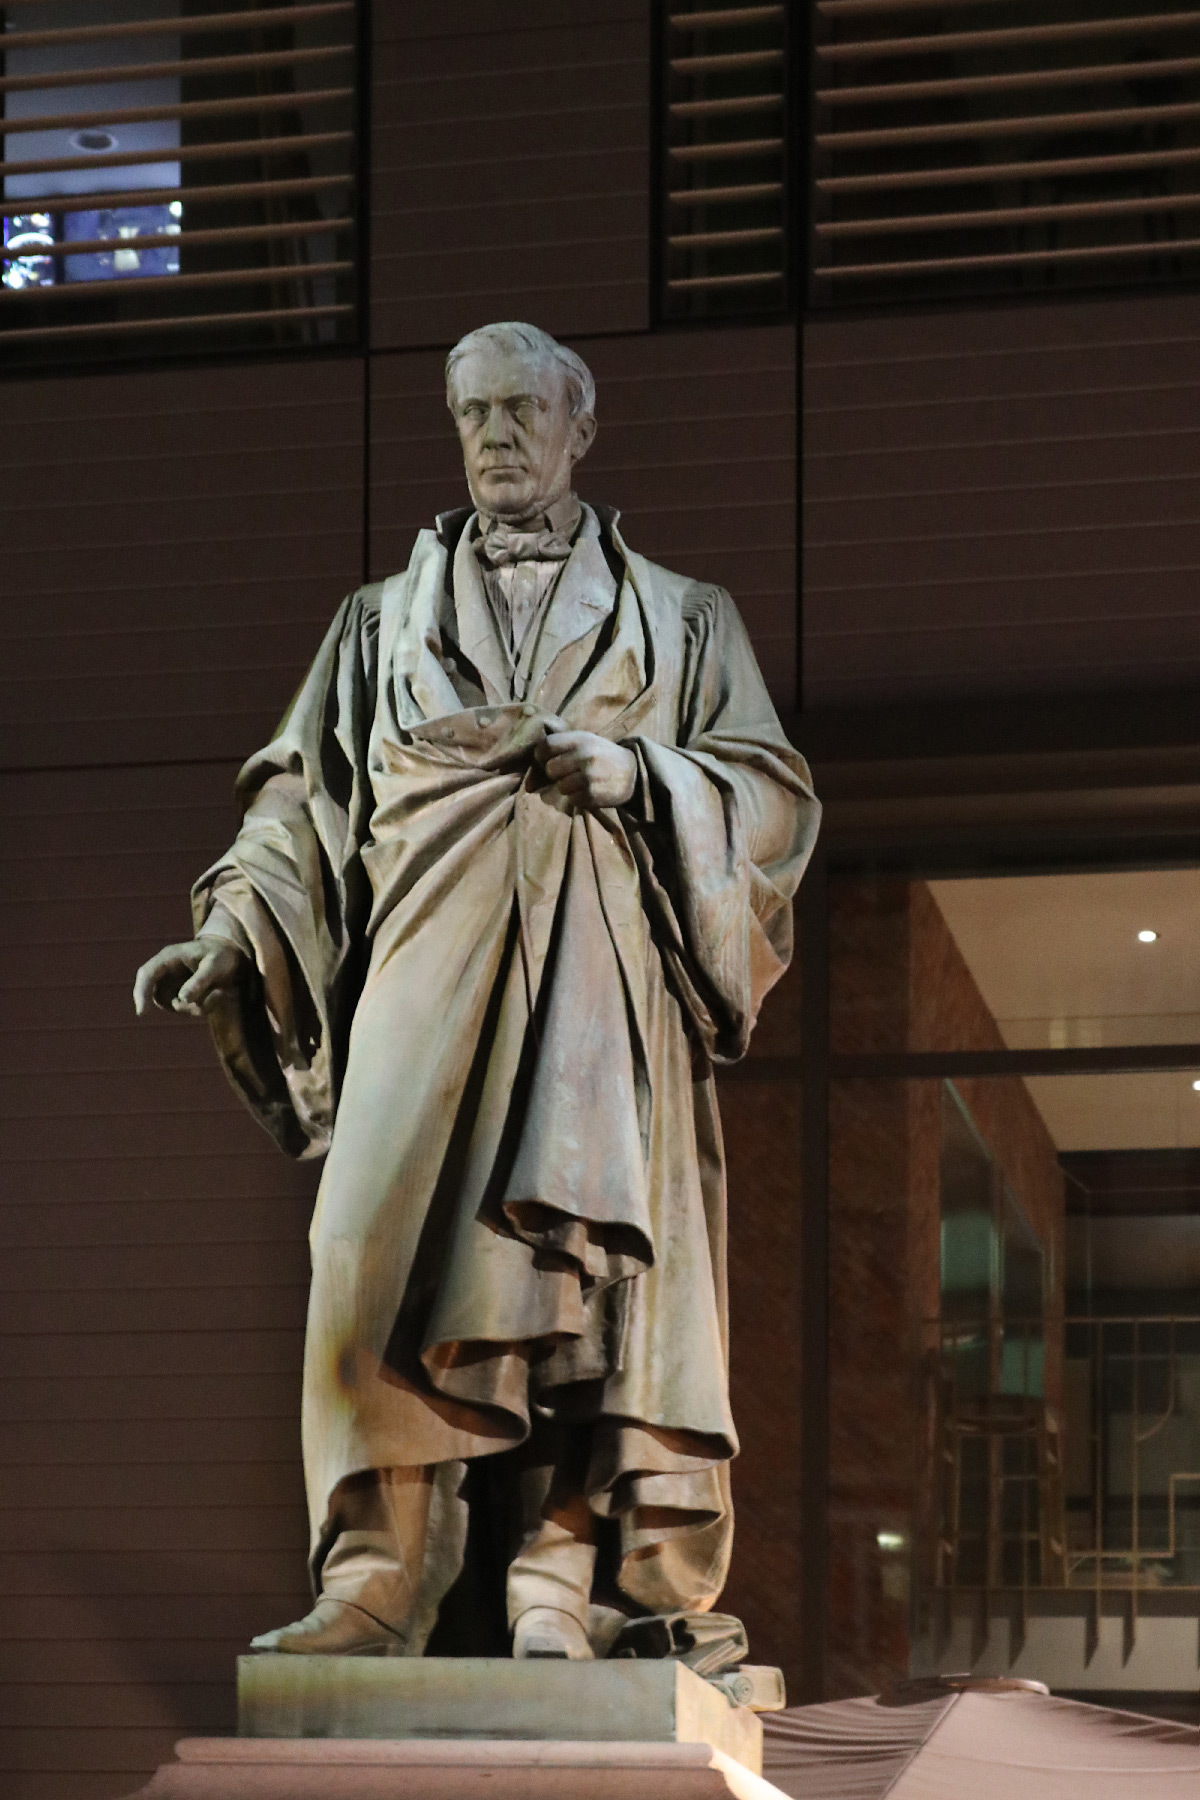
{"x":523,"y":404}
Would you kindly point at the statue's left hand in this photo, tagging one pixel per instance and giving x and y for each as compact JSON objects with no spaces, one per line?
{"x":183,"y":978}
{"x":589,"y":770}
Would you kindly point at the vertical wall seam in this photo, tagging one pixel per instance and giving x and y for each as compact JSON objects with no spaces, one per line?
{"x":814,"y":1276}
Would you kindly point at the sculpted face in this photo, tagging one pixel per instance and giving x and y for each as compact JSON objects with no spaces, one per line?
{"x":519,"y":440}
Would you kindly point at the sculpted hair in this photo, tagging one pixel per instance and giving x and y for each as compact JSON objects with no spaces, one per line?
{"x":510,"y":334}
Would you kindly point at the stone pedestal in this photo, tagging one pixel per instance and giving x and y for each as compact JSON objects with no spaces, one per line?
{"x":455,"y":1769}
{"x":473,"y":1728}
{"x":490,"y":1697}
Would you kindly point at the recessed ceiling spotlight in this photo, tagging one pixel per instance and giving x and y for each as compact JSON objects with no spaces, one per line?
{"x":93,"y":141}
{"x":1196,"y":1086}
{"x":1147,"y":936}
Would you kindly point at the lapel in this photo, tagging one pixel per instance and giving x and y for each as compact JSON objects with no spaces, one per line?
{"x":583,"y":600}
{"x":476,"y":629}
{"x":619,"y":688}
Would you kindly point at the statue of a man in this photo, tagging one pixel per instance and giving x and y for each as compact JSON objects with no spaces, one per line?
{"x":514,"y":873}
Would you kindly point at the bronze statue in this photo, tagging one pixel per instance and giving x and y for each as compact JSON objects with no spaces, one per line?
{"x":513,"y":875}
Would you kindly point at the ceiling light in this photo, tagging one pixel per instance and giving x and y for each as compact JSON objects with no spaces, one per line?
{"x":1147,"y":937}
{"x":890,"y":1540}
{"x":92,"y":141}
{"x":1196,"y":1085}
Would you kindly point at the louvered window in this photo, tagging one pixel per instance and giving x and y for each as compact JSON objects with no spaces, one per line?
{"x":1002,"y":146}
{"x":179,"y":176}
{"x":725,"y":184}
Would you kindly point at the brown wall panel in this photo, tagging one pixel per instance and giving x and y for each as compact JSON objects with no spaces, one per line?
{"x":178,"y":541}
{"x":158,"y":1530}
{"x":153,"y":1270}
{"x":36,"y":1662}
{"x":122,"y":1443}
{"x":510,"y":170}
{"x":84,"y":1765}
{"x":761,"y":1125}
{"x":1002,"y":501}
{"x":149,"y":1395}
{"x":696,"y":446}
{"x":93,"y":1223}
{"x":176,"y":1485}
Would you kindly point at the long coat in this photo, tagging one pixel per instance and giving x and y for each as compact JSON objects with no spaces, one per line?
{"x":499,"y":1017}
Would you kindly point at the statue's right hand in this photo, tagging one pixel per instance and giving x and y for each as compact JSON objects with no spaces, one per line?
{"x":183,"y":976}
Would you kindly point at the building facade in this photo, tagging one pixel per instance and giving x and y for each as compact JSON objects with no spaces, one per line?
{"x":963,"y":1176}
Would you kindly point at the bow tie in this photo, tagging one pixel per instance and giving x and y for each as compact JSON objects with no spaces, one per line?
{"x":503,"y":544}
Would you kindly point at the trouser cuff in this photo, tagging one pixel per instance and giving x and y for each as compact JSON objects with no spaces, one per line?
{"x":556,"y":1570}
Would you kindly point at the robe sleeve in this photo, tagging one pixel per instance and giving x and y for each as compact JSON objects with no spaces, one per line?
{"x":293,"y":891}
{"x":726,"y":820}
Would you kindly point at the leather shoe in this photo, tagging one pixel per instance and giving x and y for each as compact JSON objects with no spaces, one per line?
{"x":543,"y":1631}
{"x":332,"y":1628}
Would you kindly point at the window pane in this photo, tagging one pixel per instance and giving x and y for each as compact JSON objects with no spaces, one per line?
{"x":1014,"y":1381}
{"x":991,"y":148}
{"x":179,"y":177}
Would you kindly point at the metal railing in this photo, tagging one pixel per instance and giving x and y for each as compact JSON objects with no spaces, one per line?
{"x":1062,"y":1454}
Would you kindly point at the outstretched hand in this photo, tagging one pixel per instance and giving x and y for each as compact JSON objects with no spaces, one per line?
{"x":587,"y":769}
{"x":183,"y":977}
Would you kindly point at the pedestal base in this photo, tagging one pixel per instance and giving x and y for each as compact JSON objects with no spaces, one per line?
{"x":490,"y":1697}
{"x":474,"y":1728}
{"x":475,"y":1769}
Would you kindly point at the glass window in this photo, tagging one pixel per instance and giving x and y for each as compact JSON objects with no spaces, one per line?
{"x":992,"y":148}
{"x":1014,"y":1220}
{"x":178,"y":177}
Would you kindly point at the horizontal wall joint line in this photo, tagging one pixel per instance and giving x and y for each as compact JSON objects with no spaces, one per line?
{"x":945,"y":1064}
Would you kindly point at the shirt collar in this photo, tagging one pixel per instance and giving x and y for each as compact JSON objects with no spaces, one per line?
{"x":562,"y":516}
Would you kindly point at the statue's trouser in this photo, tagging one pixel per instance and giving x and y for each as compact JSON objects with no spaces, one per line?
{"x":554,"y":1553}
{"x":381,"y":1519}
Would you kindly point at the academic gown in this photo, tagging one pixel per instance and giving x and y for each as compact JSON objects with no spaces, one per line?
{"x":498,"y":1018}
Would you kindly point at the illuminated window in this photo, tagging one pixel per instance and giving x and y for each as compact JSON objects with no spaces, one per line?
{"x":179,"y":176}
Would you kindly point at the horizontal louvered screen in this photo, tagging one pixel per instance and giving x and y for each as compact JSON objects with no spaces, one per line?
{"x":1003,"y":146}
{"x":178,"y":175}
{"x":725,"y":161}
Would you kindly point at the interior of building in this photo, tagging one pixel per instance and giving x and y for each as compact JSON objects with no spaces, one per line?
{"x":1028,"y":1236}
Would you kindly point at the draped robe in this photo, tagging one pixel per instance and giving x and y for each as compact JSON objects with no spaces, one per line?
{"x":499,"y":1017}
